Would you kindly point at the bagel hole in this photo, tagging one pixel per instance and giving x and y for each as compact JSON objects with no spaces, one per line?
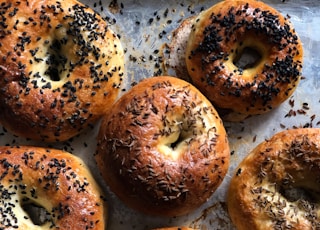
{"x":180,"y":138}
{"x":56,"y":62}
{"x":247,"y":58}
{"x":293,"y":194}
{"x":38,"y":214}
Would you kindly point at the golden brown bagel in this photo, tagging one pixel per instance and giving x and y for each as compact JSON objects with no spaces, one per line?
{"x":277,"y":185}
{"x":53,"y":179}
{"x":163,"y":148}
{"x":60,"y":65}
{"x":224,"y":33}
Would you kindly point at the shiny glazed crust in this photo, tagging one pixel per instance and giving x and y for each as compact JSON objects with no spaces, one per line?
{"x":61,"y":68}
{"x":163,"y":148}
{"x":53,"y":179}
{"x":277,"y":185}
{"x":217,"y":39}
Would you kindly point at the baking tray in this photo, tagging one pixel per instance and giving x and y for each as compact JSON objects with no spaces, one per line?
{"x":146,"y":29}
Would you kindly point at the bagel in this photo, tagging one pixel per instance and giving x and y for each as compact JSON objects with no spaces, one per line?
{"x":61,"y":68}
{"x":53,"y":180}
{"x":277,"y":185}
{"x":221,"y":43}
{"x":163,"y":149}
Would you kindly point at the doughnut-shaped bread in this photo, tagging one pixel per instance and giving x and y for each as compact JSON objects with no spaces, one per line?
{"x":61,"y":68}
{"x":163,"y":149}
{"x":54,"y":180}
{"x":221,"y":43}
{"x":277,"y":185}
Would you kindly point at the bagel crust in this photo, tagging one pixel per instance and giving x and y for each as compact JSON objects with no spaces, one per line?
{"x":53,"y":179}
{"x":221,"y":35}
{"x":277,"y":185}
{"x":163,"y":148}
{"x":60,"y":65}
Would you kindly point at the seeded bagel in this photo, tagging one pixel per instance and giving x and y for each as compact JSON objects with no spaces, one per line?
{"x":222,"y":40}
{"x":163,"y":148}
{"x":277,"y":185}
{"x":51,"y":179}
{"x":61,"y":67}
